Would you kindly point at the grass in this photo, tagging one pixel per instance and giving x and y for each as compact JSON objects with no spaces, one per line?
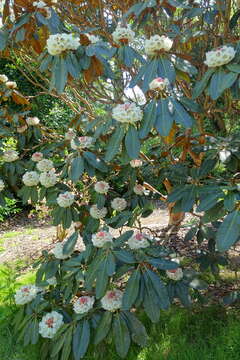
{"x":209,"y":333}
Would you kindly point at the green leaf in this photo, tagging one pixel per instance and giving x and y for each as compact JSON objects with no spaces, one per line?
{"x":94,"y":161}
{"x":230,"y":201}
{"x":114,"y":143}
{"x":123,"y":238}
{"x":125,"y":256}
{"x":150,"y":74}
{"x":81,"y":340}
{"x":35,"y":332}
{"x":182,"y":292}
{"x":181,"y":116}
{"x":137,"y":329}
{"x":162,"y":264}
{"x":164,"y":120}
{"x":121,"y":335}
{"x":215,"y":213}
{"x":131,"y":290}
{"x":66,"y":350}
{"x":3,"y":39}
{"x":103,"y":327}
{"x":77,"y":169}
{"x":185,"y":66}
{"x":59,"y":73}
{"x":70,"y":244}
{"x":160,"y":289}
{"x":201,"y":84}
{"x":166,"y":69}
{"x":234,"y":19}
{"x":209,"y":201}
{"x":234,"y":67}
{"x":149,"y":118}
{"x":132,"y":142}
{"x":229,"y":231}
{"x":221,"y":81}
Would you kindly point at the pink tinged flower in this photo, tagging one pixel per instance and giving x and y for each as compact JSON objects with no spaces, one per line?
{"x":49,"y":322}
{"x":139,"y":236}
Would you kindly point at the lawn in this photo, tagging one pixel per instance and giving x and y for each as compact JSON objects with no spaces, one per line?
{"x":210,"y":333}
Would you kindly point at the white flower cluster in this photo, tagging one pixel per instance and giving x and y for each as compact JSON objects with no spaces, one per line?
{"x":139,"y":189}
{"x":10,"y":156}
{"x":83,"y":304}
{"x":81,"y":142}
{"x":138,"y":241}
{"x":57,"y":251}
{"x":30,"y":178}
{"x":123,"y":33}
{"x":48,"y":179}
{"x":175,"y":274}
{"x":93,"y":38}
{"x":58,"y":43}
{"x":52,"y":280}
{"x":66,"y":199}
{"x":11,"y":84}
{"x":50,"y":324}
{"x":157,"y":43}
{"x":119,"y":204}
{"x":136,"y":163}
{"x":37,"y":156}
{"x":101,"y":187}
{"x":21,"y":129}
{"x":2,"y":186}
{"x":127,"y":113}
{"x":97,"y":213}
{"x":101,"y":238}
{"x":25,"y":294}
{"x":112,"y":300}
{"x":159,"y":84}
{"x":220,"y":56}
{"x":32,"y":121}
{"x":3,"y":78}
{"x":70,"y":134}
{"x":45,"y":165}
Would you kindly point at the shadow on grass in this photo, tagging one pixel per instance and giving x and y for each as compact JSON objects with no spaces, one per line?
{"x":182,"y":334}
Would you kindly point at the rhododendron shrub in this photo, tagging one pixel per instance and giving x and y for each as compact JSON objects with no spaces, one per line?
{"x":139,"y":75}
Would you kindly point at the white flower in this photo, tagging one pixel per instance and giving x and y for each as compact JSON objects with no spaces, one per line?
{"x":58,"y":43}
{"x":81,"y":142}
{"x":123,"y":33}
{"x":127,"y":113}
{"x":30,"y":178}
{"x":159,"y":84}
{"x":136,"y":163}
{"x":83,"y":304}
{"x":225,"y":155}
{"x":2,"y":186}
{"x":156,"y":43}
{"x":50,"y":324}
{"x":48,"y":179}
{"x":70,"y":134}
{"x":52,"y":280}
{"x":37,"y":156}
{"x":220,"y":56}
{"x":139,"y":189}
{"x":98,"y":213}
{"x":3,"y":78}
{"x":66,"y":199}
{"x":101,"y":238}
{"x":175,"y":274}
{"x":93,"y":38}
{"x":119,"y":204}
{"x":58,"y":251}
{"x":21,"y":129}
{"x":26,"y":294}
{"x":112,"y":300}
{"x":45,"y":165}
{"x":101,"y":187}
{"x":32,"y":121}
{"x":138,"y":241}
{"x":10,"y":155}
{"x":11,"y":84}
